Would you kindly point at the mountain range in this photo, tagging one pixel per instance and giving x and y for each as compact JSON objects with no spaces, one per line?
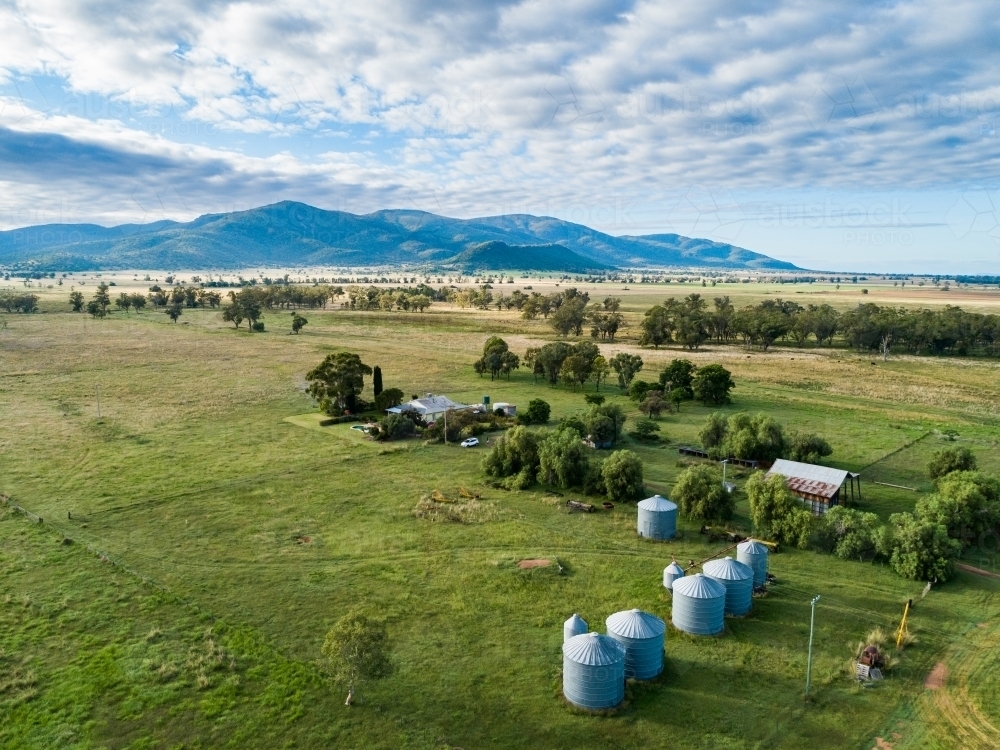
{"x":290,"y":234}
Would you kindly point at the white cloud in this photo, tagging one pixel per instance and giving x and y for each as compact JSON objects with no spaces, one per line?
{"x":544,"y":102}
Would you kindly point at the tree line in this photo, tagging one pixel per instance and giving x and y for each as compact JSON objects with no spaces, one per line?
{"x":14,"y":302}
{"x":690,"y":322}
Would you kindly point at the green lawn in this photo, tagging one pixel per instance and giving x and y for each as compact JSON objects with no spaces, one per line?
{"x":204,"y":476}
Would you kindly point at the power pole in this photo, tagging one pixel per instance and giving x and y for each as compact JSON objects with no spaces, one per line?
{"x":97,"y":389}
{"x":812,"y":625}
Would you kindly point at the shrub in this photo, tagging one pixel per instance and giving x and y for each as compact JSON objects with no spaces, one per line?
{"x":538,"y":412}
{"x":714,"y":432}
{"x":600,"y":428}
{"x":966,"y":503}
{"x":388,"y":398}
{"x":593,"y":481}
{"x":645,"y":429}
{"x":562,"y":459}
{"x":951,"y":459}
{"x":594,"y":399}
{"x":396,"y":426}
{"x":613,"y":412}
{"x":849,"y":533}
{"x":258,"y":326}
{"x":573,"y":423}
{"x":514,"y":454}
{"x":712,"y":384}
{"x":810,"y":449}
{"x":776,"y":512}
{"x":699,"y":494}
{"x":757,"y":437}
{"x":622,"y":475}
{"x":918,"y":549}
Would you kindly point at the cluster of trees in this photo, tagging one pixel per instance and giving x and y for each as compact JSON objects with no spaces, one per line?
{"x":570,"y":311}
{"x":183,"y":296}
{"x":521,"y":457}
{"x":13,"y":302}
{"x":414,"y":299}
{"x":868,"y":327}
{"x":247,"y":304}
{"x":923,"y":545}
{"x":759,"y":437}
{"x":574,"y":363}
{"x":678,"y":382}
{"x":497,"y":359}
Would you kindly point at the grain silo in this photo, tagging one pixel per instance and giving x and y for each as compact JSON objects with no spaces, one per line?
{"x":699,"y":605}
{"x":753,"y":553}
{"x":657,"y":518}
{"x":738,"y":580}
{"x":642,"y":636}
{"x":574,"y":626}
{"x":670,"y":574}
{"x":593,"y":671}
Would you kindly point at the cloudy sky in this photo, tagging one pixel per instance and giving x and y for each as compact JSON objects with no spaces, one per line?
{"x":838,"y":135}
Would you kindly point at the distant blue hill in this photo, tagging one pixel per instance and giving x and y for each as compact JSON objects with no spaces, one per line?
{"x":295,"y":234}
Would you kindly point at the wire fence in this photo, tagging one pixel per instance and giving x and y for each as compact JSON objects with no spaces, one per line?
{"x":102,"y":555}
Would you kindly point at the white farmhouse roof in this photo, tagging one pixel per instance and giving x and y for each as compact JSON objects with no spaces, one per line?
{"x":428,"y":405}
{"x":810,"y":478}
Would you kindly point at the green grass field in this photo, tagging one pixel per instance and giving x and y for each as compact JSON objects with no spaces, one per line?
{"x":206,"y":474}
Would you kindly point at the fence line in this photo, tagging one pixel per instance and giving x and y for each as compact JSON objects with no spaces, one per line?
{"x":99,"y":553}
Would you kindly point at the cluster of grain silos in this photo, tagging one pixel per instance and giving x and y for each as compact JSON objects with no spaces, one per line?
{"x":724,"y":587}
{"x":596,"y":666}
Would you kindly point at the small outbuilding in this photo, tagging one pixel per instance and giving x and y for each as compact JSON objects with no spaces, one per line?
{"x":819,"y":487}
{"x":509,"y":410}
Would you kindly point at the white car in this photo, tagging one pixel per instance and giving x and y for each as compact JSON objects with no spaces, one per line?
{"x":470,"y":442}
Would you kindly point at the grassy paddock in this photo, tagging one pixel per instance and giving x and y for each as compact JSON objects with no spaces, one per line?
{"x":203,"y":475}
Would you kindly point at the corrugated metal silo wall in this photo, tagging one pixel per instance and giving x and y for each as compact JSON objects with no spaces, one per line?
{"x":593,"y":687}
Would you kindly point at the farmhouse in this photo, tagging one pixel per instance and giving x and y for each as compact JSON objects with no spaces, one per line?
{"x":818,"y":486}
{"x":430,"y":408}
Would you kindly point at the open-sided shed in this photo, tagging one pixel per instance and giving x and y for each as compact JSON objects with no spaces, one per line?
{"x":820,"y":487}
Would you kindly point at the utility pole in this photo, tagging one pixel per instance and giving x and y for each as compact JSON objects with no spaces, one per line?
{"x":97,"y":389}
{"x":812,"y":625}
{"x":725,"y":463}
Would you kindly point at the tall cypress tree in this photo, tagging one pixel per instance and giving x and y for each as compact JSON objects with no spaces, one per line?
{"x":377,"y":380}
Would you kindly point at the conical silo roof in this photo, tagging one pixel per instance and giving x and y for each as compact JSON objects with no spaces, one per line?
{"x":728,"y":569}
{"x":753,"y":547}
{"x":634,"y":623}
{"x":699,"y":586}
{"x":577,"y":622}
{"x":657,"y":503}
{"x":594,"y":650}
{"x":675,"y":569}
